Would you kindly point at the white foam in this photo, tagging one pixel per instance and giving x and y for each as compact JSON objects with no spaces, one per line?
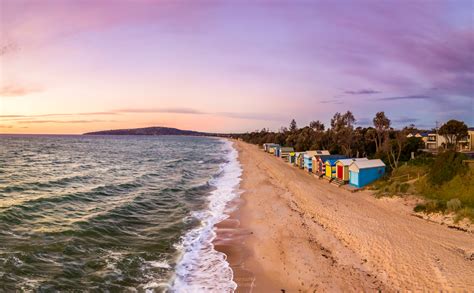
{"x":201,"y":267}
{"x":159,"y":264}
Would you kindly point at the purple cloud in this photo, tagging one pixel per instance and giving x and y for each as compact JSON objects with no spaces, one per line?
{"x":404,"y":120}
{"x":335,"y":102}
{"x":413,"y":97}
{"x":362,"y":92}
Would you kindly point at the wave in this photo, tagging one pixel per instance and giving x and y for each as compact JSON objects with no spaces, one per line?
{"x":201,"y":267}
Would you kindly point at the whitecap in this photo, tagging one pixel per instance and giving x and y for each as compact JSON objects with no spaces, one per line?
{"x":159,"y":264}
{"x":201,"y":267}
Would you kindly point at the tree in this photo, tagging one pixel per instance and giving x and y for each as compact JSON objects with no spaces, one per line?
{"x":382,"y":125}
{"x":394,"y":148}
{"x":304,"y":140}
{"x":412,"y":145}
{"x":342,"y":130}
{"x":317,"y":125}
{"x":293,"y":126}
{"x":370,"y":138}
{"x":453,"y":131}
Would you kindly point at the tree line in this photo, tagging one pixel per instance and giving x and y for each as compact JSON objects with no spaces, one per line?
{"x":342,"y":137}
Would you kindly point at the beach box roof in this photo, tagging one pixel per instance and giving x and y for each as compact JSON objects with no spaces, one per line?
{"x":331,"y":162}
{"x":367,"y":164}
{"x":323,"y":158}
{"x":287,"y":149}
{"x":347,"y":162}
{"x":317,"y":153}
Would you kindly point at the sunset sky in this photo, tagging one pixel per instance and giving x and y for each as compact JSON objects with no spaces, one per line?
{"x":232,"y":66}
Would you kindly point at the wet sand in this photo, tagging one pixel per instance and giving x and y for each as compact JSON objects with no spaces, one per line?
{"x":293,"y":232}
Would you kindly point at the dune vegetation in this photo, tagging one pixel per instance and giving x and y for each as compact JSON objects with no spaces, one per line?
{"x":444,"y":181}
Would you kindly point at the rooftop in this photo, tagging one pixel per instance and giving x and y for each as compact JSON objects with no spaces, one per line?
{"x":347,"y":162}
{"x":369,"y":164}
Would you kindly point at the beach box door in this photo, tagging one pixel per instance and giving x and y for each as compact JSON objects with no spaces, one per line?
{"x":354,"y":178}
{"x":340,"y":171}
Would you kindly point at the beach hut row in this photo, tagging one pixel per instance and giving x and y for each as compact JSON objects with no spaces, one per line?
{"x":357,"y":172}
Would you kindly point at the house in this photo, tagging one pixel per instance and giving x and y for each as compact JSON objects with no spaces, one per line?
{"x":422,"y":135}
{"x":319,"y":167}
{"x":273,"y":149}
{"x":267,"y":146}
{"x":300,"y":160}
{"x":308,"y":163}
{"x":277,"y":151}
{"x":434,"y":141}
{"x":308,"y":158}
{"x":342,"y":168}
{"x":285,"y":152}
{"x":330,"y":168}
{"x":362,"y":173}
{"x":431,"y":142}
{"x":470,"y":134}
{"x":297,"y":162}
{"x":292,"y":157}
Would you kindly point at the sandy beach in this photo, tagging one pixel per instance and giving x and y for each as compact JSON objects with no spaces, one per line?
{"x":293,"y":232}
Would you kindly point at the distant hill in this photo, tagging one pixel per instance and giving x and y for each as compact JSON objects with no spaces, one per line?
{"x":149,"y":131}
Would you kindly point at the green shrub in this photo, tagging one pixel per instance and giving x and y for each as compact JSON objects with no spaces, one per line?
{"x":453,"y":205}
{"x":464,"y":213}
{"x":409,"y":172}
{"x":423,"y":159}
{"x":436,"y":206}
{"x":446,"y":165}
{"x":404,"y":187}
{"x":420,"y":208}
{"x":432,"y":206}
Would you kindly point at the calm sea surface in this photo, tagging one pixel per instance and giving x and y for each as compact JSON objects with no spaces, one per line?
{"x":106,"y":213}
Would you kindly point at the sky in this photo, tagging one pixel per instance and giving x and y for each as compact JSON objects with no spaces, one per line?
{"x":232,"y":66}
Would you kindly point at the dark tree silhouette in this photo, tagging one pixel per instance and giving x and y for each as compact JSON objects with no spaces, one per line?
{"x":382,"y":125}
{"x":293,"y":126}
{"x":453,"y":131}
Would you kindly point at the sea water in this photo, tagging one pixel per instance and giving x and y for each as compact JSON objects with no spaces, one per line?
{"x":114,"y":213}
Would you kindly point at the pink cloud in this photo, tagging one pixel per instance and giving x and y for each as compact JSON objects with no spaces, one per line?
{"x":15,"y":90}
{"x":30,"y":23}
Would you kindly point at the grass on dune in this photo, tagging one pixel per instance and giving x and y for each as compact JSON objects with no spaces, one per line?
{"x":445,"y":182}
{"x":456,"y":195}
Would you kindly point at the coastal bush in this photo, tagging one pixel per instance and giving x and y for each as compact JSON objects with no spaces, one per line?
{"x":461,"y":187}
{"x":432,"y":206}
{"x":422,"y":159}
{"x":390,"y":188}
{"x":436,"y":206}
{"x":409,"y":172}
{"x":456,"y":194}
{"x":420,"y":208}
{"x":464,"y":213}
{"x":453,"y":205}
{"x":404,"y":187}
{"x":446,"y":165}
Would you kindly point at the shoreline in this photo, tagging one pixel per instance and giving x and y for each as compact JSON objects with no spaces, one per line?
{"x":290,"y":231}
{"x":200,"y":264}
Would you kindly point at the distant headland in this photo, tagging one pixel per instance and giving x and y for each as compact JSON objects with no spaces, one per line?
{"x":150,"y":131}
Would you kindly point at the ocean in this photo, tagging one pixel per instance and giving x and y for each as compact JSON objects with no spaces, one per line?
{"x":114,"y":213}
